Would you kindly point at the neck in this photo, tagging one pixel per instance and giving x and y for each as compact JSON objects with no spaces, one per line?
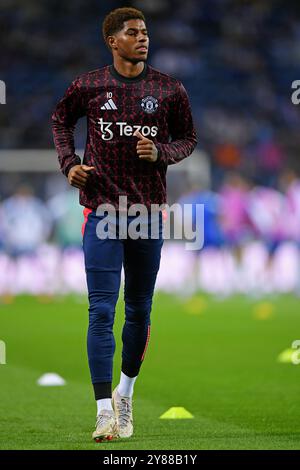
{"x":128,"y":69}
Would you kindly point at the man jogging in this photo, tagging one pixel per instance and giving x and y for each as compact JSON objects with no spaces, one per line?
{"x":139,"y":122}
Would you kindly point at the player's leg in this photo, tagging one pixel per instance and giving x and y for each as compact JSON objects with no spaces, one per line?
{"x":103,"y":263}
{"x":141,"y":265}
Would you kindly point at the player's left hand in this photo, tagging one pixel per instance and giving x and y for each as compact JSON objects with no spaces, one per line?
{"x":145,"y":148}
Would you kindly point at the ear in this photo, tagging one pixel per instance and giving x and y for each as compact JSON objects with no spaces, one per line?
{"x":111,"y":40}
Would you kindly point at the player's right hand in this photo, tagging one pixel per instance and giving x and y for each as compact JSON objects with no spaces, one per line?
{"x":79,"y":174}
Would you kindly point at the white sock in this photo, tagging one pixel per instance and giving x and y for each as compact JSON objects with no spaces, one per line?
{"x":104,"y":404}
{"x":125,"y":387}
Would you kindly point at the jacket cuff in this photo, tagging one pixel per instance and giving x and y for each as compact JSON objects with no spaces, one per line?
{"x":74,"y":160}
{"x":160,"y":155}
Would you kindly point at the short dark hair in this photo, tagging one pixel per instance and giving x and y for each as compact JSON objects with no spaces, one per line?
{"x":114,"y":21}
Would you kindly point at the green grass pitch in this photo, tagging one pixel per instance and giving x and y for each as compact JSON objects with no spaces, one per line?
{"x":215,"y":358}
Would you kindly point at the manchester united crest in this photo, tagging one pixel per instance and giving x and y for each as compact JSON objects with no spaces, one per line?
{"x":149,"y":104}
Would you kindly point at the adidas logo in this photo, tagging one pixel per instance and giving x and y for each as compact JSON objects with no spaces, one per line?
{"x":109,"y":105}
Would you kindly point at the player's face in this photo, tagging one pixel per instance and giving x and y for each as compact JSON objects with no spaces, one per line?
{"x":132,"y":42}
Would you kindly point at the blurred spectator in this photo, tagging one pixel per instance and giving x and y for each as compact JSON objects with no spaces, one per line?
{"x":290,"y":186}
{"x":265,"y":209}
{"x":25,"y":222}
{"x":227,"y":156}
{"x":67,"y":215}
{"x":210,"y":201}
{"x":270,"y":159}
{"x":234,"y":219}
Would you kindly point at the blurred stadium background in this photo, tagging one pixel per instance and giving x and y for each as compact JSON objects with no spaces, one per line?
{"x":237,"y":60}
